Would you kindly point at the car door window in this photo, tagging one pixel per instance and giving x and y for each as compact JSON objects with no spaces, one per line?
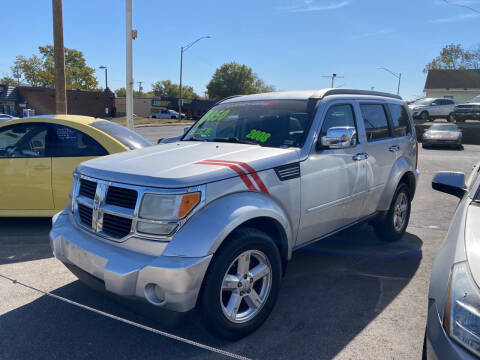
{"x":23,"y":141}
{"x":400,"y":121}
{"x":69,"y":142}
{"x":339,"y":116}
{"x":376,"y":123}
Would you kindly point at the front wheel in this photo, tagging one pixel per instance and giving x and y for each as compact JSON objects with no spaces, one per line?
{"x":242,"y":284}
{"x":424,"y":116}
{"x":451,"y":118}
{"x":393,"y":225}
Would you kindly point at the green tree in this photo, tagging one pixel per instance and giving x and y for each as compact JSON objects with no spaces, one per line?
{"x":455,"y":57}
{"x":7,"y":80}
{"x":166,"y":88}
{"x":40,"y":71}
{"x":122,"y":92}
{"x":235,"y":79}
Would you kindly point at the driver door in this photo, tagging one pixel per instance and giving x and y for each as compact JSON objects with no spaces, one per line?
{"x":25,"y":168}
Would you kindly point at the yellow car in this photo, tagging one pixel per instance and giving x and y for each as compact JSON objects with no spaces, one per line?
{"x":39,"y":154}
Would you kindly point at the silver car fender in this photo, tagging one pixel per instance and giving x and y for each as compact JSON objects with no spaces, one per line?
{"x":399,"y":169}
{"x":207,"y":229}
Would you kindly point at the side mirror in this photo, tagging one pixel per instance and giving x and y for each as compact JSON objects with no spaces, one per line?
{"x":186,"y":128}
{"x":338,"y":137}
{"x":433,"y":104}
{"x":452,"y":183}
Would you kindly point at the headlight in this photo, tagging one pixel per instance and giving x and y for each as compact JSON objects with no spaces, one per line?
{"x":160,"y":214}
{"x":462,"y":308}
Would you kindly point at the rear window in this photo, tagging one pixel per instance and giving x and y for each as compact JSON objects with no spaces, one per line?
{"x":125,"y":136}
{"x":401,"y":123}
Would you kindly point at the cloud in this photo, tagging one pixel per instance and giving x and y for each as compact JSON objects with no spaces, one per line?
{"x":372,"y":33}
{"x":456,"y":18}
{"x":313,"y":5}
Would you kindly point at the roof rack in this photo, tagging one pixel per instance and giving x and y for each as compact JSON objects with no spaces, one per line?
{"x":327,"y":92}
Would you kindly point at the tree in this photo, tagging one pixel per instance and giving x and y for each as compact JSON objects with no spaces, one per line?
{"x":122,"y":92}
{"x":40,"y":71}
{"x":235,"y":79}
{"x":7,"y":80}
{"x":455,"y":57}
{"x":166,"y":88}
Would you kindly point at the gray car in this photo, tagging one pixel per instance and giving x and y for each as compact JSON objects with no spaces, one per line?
{"x":210,"y":220}
{"x":453,"y":325}
{"x":442,"y":135}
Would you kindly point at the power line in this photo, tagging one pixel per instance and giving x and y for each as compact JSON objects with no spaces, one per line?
{"x":462,"y":6}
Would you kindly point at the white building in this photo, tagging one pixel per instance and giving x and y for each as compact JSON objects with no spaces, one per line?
{"x":460,"y":85}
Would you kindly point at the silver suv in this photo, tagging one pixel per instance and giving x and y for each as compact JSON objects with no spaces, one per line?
{"x":433,"y":108}
{"x":211,"y":221}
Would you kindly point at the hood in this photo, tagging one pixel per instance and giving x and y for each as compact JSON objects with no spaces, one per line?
{"x":175,"y":165}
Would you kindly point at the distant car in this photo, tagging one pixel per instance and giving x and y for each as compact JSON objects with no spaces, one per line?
{"x":39,"y":154}
{"x":442,"y":134}
{"x":166,"y":114}
{"x":6,"y":117}
{"x":433,"y":108}
{"x":453,"y":322}
{"x":468,"y":111}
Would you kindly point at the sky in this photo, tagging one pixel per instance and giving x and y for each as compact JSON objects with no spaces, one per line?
{"x":290,"y":44}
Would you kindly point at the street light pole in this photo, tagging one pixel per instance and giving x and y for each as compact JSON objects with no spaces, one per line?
{"x":182,"y":50}
{"x":129,"y":66}
{"x":59,"y":53}
{"x":398,"y":76}
{"x":106,"y":76}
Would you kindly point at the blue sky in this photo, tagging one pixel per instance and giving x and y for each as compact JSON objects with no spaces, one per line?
{"x":290,"y":44}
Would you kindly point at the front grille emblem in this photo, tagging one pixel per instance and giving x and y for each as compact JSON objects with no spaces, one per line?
{"x":98,"y":202}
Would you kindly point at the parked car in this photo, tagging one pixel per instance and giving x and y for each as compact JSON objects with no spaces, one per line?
{"x":453,"y":324}
{"x":442,"y":134}
{"x":166,"y":114}
{"x":468,"y":111}
{"x":433,"y":108}
{"x":39,"y":154}
{"x":211,"y":221}
{"x":6,"y":117}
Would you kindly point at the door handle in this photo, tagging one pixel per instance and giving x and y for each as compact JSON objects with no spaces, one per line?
{"x":360,"y":156}
{"x":394,"y":148}
{"x":41,"y":167}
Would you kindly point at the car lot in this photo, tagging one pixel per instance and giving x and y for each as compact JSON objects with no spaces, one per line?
{"x":350,"y":296}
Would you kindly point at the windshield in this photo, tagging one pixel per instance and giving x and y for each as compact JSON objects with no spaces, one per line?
{"x":423,"y":102}
{"x":278,"y":123}
{"x":129,"y":138}
{"x":443,"y":127}
{"x":476,"y":99}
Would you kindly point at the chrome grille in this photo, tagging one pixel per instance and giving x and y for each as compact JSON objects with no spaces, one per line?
{"x":122,"y":197}
{"x":87,"y":188}
{"x":85,"y":214}
{"x":116,"y":226}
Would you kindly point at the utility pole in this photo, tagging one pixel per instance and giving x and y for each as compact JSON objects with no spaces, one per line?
{"x":60,"y":85}
{"x":130,"y":35}
{"x":106,"y":76}
{"x":140,"y":88}
{"x":398,"y":76}
{"x":333,"y":77}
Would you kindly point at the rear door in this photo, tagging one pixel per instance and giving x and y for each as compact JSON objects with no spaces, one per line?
{"x":25,"y":168}
{"x":70,"y":147}
{"x":381,"y":149}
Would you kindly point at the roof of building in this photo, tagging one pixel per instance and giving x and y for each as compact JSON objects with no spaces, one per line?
{"x":8,"y":92}
{"x":453,"y":79}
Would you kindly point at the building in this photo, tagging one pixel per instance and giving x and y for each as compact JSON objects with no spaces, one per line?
{"x":146,"y":106}
{"x":460,"y":85}
{"x":13,"y":99}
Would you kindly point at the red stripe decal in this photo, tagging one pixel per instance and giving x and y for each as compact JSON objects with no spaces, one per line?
{"x":235,"y":168}
{"x":247,"y":167}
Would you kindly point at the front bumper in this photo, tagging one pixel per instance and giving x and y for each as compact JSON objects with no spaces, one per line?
{"x":439,"y":345}
{"x":467,"y":115}
{"x":456,"y":142}
{"x":127,"y":273}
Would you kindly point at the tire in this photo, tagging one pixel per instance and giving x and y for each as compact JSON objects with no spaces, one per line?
{"x":173,"y":117}
{"x":393,"y":225}
{"x":424,"y":146}
{"x":460,"y":120}
{"x":154,"y":117}
{"x":424,"y":116}
{"x":451,"y":118}
{"x":216,"y":299}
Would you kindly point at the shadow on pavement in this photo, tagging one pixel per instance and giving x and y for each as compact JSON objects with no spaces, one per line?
{"x":24,"y":239}
{"x":331,"y":292}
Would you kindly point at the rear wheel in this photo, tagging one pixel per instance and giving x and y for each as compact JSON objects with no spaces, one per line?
{"x":392,"y":226}
{"x":242,"y":284}
{"x":451,"y":117}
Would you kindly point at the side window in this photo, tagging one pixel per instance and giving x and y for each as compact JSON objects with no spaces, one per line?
{"x":69,"y":142}
{"x":339,"y":116}
{"x":23,"y":141}
{"x":376,"y":123}
{"x":400,"y":121}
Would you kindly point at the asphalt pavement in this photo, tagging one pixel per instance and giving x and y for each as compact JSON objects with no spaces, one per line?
{"x":347,"y":297}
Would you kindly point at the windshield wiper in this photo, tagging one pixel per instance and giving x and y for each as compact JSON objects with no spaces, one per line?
{"x":234,"y":139}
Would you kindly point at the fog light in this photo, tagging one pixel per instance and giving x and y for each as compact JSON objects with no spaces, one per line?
{"x":156,"y":228}
{"x":154,"y":294}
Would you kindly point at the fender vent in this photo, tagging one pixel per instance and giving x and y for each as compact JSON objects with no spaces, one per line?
{"x":287,"y":172}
